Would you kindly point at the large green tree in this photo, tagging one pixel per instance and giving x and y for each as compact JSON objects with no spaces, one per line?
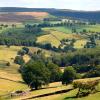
{"x":35,"y":74}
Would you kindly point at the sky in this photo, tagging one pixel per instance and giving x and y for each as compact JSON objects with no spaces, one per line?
{"x":89,"y":5}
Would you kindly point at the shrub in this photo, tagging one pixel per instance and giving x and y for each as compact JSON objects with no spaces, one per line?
{"x":85,"y":88}
{"x":19,"y":60}
{"x":69,"y":75}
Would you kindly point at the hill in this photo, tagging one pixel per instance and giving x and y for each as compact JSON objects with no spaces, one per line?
{"x":85,"y":15}
{"x":22,"y":16}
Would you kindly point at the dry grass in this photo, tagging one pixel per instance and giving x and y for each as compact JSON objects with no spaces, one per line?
{"x":7,"y":86}
{"x":34,"y":14}
{"x":80,"y":43}
{"x":8,"y":54}
{"x":9,"y":77}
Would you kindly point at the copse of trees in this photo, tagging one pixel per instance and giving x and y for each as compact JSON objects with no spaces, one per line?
{"x":32,"y":29}
{"x":35,"y":74}
{"x":20,"y":36}
{"x":83,"y":68}
{"x":82,"y":60}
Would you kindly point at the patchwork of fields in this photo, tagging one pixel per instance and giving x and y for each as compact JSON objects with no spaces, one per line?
{"x":55,"y":37}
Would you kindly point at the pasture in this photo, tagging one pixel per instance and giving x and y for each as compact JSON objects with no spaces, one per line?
{"x":55,"y":37}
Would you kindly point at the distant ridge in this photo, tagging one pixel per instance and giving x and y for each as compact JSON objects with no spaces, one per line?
{"x":86,"y":15}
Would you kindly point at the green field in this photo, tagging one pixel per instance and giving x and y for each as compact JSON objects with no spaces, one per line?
{"x":65,"y":29}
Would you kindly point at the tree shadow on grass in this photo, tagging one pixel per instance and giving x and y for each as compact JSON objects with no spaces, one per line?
{"x":71,"y":97}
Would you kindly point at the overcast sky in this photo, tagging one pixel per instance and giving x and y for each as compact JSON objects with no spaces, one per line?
{"x":61,"y":4}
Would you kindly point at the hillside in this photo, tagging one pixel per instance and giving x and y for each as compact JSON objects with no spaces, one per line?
{"x":85,"y":15}
{"x":22,"y":16}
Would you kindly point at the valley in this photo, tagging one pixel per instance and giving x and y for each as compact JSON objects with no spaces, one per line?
{"x":43,"y":53}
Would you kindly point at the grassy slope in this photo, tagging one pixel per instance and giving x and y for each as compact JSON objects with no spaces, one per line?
{"x":55,"y":36}
{"x":9,"y":76}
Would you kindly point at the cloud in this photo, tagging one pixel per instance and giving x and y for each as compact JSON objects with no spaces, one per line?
{"x":62,"y":4}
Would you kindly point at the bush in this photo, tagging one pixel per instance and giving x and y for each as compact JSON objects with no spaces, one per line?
{"x":85,"y":88}
{"x":8,"y":64}
{"x":21,"y":52}
{"x":19,"y":60}
{"x":69,"y":75}
{"x":26,"y":49}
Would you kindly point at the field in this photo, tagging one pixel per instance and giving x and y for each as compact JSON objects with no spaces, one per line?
{"x":65,"y":29}
{"x":54,"y":37}
{"x":53,"y":87}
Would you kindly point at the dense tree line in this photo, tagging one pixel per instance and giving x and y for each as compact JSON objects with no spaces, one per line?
{"x":20,"y":36}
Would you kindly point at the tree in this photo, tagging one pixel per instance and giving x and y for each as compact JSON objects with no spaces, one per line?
{"x":55,"y":72}
{"x":19,"y":60}
{"x":69,"y":75}
{"x":35,"y":74}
